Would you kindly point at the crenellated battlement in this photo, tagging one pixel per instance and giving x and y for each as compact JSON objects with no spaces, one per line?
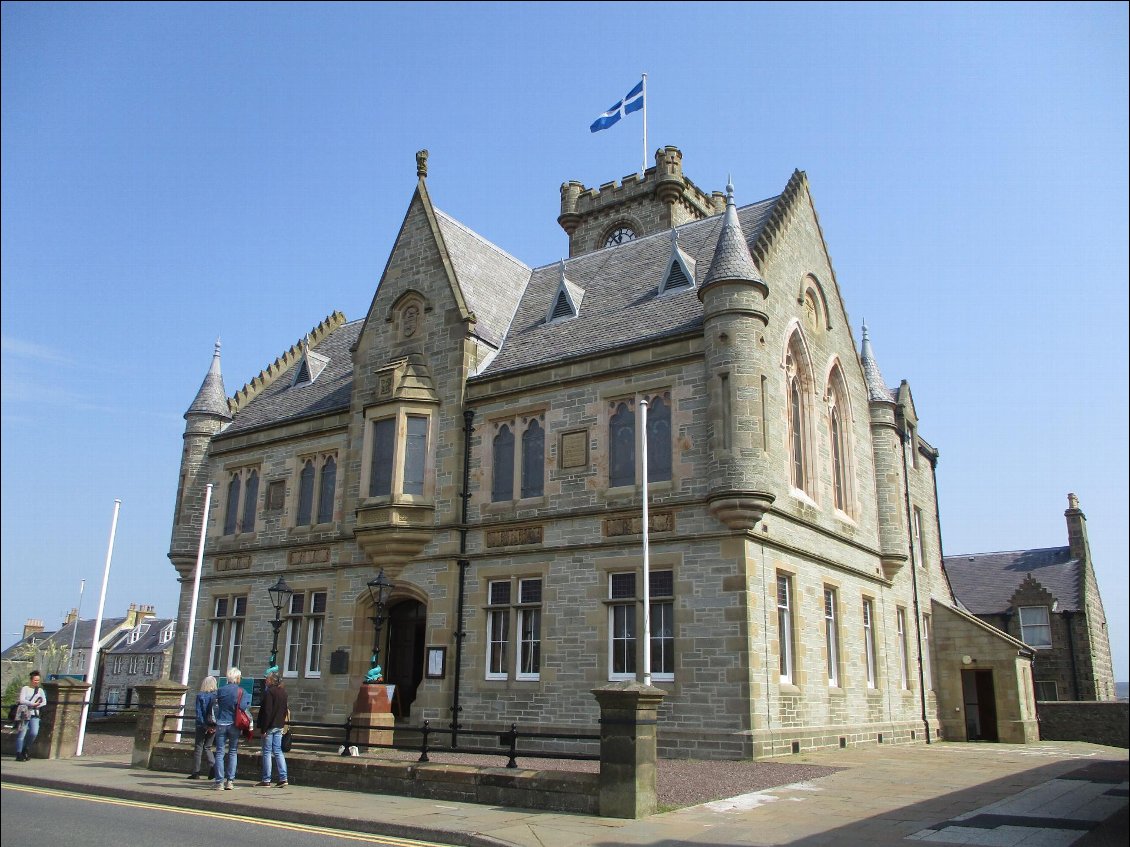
{"x":280,"y":365}
{"x":660,"y":198}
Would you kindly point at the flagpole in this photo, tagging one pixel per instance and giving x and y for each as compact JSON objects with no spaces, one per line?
{"x":643,"y":169}
{"x":74,"y":631}
{"x":646,"y":563}
{"x":187,"y":659}
{"x":90,"y":671}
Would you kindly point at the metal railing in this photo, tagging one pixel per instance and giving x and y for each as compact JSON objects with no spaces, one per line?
{"x":511,"y":743}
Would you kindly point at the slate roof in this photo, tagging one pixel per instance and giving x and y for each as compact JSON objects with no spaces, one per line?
{"x":211,"y":399}
{"x":330,"y":392}
{"x":85,"y":635}
{"x":985,"y":582}
{"x":149,"y":642}
{"x":621,"y":307}
{"x":492,"y":281}
{"x":34,"y":638}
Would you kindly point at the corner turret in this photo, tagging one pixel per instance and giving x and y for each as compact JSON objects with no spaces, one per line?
{"x":886,"y":446}
{"x":733,"y":298}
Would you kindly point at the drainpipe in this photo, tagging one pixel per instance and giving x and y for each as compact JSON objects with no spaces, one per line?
{"x":464,"y":564}
{"x":914,"y":565}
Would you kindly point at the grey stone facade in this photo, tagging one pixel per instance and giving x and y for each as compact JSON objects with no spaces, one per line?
{"x":792,"y":472}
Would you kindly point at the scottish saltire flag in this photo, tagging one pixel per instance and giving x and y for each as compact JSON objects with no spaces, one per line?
{"x":632,"y":102}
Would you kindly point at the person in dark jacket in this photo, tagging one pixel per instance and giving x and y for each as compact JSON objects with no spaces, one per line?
{"x":271,"y":721}
{"x":205,"y":728}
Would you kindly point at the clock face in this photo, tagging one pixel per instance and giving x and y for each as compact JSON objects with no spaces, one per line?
{"x":620,"y":235}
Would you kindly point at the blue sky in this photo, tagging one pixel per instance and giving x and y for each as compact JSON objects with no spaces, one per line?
{"x":175,"y":173}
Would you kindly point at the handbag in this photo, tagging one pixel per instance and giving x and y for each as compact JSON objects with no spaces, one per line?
{"x":242,"y":719}
{"x":286,"y":740}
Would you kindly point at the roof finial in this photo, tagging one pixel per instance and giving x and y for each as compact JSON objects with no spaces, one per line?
{"x":217,"y":351}
{"x":422,"y":164}
{"x":729,"y":190}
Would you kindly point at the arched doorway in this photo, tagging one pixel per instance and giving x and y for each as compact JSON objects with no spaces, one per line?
{"x":406,"y":629}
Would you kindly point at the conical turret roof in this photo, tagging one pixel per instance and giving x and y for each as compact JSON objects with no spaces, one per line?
{"x":731,"y":259}
{"x":876,"y":385}
{"x":211,"y":399}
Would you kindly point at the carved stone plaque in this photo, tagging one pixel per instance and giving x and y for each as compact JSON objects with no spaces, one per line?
{"x":656,"y":522}
{"x":574,"y":451}
{"x":514,"y":536}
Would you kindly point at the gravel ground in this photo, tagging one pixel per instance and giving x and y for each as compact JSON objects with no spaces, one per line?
{"x":680,"y":782}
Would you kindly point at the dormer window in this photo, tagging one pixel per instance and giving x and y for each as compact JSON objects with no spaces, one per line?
{"x":168,"y":632}
{"x":566,"y":301}
{"x":679,"y":274}
{"x":310,"y":368}
{"x":137,"y":632}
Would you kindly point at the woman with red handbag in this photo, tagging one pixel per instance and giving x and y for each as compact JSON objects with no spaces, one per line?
{"x":232,"y":720}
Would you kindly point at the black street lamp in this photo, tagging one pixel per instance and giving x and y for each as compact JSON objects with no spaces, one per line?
{"x":280,"y":592}
{"x":378,"y":593}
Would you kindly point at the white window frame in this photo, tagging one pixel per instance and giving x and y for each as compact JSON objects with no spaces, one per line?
{"x":662,"y":610}
{"x":303,"y":647}
{"x":1029,"y":628}
{"x":919,"y":547}
{"x":499,"y":595}
{"x":529,"y":609}
{"x":927,"y":669}
{"x":832,"y":635}
{"x":904,"y":652}
{"x":228,"y":619}
{"x":869,"y":656}
{"x":623,"y":631}
{"x":785,"y":629}
{"x":315,"y":634}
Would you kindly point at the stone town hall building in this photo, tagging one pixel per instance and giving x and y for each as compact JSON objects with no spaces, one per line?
{"x":797,"y":597}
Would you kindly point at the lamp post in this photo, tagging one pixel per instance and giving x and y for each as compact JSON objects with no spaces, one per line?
{"x":280,"y":592}
{"x":378,"y":593}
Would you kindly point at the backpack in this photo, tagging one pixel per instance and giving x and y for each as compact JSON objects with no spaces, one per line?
{"x":12,"y":711}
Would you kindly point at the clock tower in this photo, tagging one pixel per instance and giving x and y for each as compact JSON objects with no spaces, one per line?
{"x":660,"y":199}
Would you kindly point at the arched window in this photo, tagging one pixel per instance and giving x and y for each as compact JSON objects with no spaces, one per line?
{"x":326,"y":491}
{"x":305,"y":492}
{"x":231,"y":516}
{"x":658,"y":440}
{"x":249,"y":498}
{"x":622,"y":446}
{"x":838,"y":431}
{"x":533,"y":460}
{"x":797,"y":392}
{"x":502,"y":481}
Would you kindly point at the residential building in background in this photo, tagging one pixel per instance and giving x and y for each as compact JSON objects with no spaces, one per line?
{"x":1049,"y":599}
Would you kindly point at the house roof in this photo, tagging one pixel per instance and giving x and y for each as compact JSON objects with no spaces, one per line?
{"x":621,"y":305}
{"x":148,"y":642}
{"x":35,"y":638}
{"x":985,"y":582}
{"x":280,"y":401}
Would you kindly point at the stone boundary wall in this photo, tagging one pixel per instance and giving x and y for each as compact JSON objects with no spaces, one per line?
{"x":1104,"y":722}
{"x":557,"y":791}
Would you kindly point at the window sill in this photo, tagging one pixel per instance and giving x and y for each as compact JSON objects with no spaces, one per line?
{"x":789,"y":688}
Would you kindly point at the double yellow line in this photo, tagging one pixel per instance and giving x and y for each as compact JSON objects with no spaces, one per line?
{"x":367,"y":838}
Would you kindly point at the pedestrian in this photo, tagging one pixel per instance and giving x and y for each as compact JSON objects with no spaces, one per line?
{"x":32,"y":699}
{"x":271,"y":721}
{"x":205,"y":728}
{"x":229,"y":700}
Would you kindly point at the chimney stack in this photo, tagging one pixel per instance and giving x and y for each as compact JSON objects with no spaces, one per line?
{"x":33,"y":626}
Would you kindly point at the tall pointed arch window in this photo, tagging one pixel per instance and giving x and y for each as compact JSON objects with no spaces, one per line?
{"x":502,"y":483}
{"x":622,"y":446}
{"x":518,"y":458}
{"x":242,"y":497}
{"x":316,"y":483}
{"x":797,"y":391}
{"x":838,"y":438}
{"x":659,"y":439}
{"x":533,"y":460}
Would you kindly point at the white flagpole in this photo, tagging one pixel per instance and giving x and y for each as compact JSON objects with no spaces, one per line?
{"x":643,"y":169}
{"x":646,"y":563}
{"x":97,"y":633}
{"x":192,"y":608}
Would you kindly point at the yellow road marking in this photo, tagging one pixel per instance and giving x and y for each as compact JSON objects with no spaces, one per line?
{"x":370,"y":838}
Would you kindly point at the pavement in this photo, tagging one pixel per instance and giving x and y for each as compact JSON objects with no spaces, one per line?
{"x":1051,"y":794}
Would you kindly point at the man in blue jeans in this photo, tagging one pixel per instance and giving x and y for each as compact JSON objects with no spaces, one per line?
{"x":271,"y":721}
{"x":32,"y":699}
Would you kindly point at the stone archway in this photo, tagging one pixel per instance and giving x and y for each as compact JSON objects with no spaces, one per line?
{"x":407,"y":626}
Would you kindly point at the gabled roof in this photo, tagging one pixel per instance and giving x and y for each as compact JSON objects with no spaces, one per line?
{"x":492,"y":281}
{"x":34,"y":639}
{"x":280,"y":401}
{"x":985,"y":582}
{"x":621,"y":306}
{"x":149,"y":642}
